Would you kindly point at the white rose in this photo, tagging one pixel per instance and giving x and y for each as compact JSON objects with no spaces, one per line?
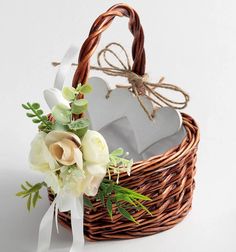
{"x":40,"y":158}
{"x":96,"y":155}
{"x":95,"y":149}
{"x":94,"y":176}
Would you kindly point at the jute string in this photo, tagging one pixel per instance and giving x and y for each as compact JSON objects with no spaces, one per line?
{"x":138,"y":85}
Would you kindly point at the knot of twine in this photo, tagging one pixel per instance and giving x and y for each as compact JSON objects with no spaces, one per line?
{"x":138,"y":85}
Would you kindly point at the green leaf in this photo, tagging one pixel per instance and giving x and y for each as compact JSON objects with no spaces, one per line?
{"x":78,"y":87}
{"x":32,"y":193}
{"x":45,"y":118}
{"x":30,"y":115}
{"x":69,"y":93}
{"x":118,"y":152}
{"x":38,"y":116}
{"x":79,"y":106}
{"x":109,"y":188}
{"x":40,"y":112}
{"x":25,"y":106}
{"x":28,"y":184}
{"x":35,"y":198}
{"x":20,"y":194}
{"x":61,"y":113}
{"x":35,"y":188}
{"x":124,"y":197}
{"x":88,"y":203}
{"x":109,"y":207}
{"x":23,"y":187}
{"x":79,"y":124}
{"x":143,"y":207}
{"x":36,"y":120}
{"x":126,"y":214}
{"x":35,"y":105}
{"x":29,"y":202}
{"x":79,"y":127}
{"x":85,"y":89}
{"x":101,"y":197}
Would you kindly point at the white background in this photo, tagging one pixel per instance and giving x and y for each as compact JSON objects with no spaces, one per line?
{"x":192,"y":43}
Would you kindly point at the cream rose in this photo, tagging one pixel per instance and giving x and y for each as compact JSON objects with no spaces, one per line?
{"x":65,"y":148}
{"x":60,"y":150}
{"x":39,"y":157}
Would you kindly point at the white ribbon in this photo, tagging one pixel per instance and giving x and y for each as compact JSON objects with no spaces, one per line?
{"x":64,"y":203}
{"x":53,"y":95}
{"x":65,"y":66}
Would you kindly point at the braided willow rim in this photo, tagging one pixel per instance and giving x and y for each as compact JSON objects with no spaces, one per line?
{"x":168,"y":179}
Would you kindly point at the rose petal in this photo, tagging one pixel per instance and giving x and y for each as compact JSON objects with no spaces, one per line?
{"x":39,"y":157}
{"x":94,"y":176}
{"x":63,"y":151}
{"x":56,"y":135}
{"x":78,"y":158}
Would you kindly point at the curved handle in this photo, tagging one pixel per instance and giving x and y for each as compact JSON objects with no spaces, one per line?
{"x":101,"y":24}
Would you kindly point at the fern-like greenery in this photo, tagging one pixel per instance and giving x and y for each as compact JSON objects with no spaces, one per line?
{"x":31,"y":192}
{"x":38,"y":117}
{"x":126,"y":201}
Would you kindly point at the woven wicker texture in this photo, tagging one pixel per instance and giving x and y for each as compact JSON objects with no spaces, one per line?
{"x":168,"y":179}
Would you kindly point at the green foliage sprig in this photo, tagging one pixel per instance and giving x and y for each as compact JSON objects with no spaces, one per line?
{"x":31,"y":192}
{"x":125,"y":200}
{"x":37,"y":115}
{"x":119,"y":163}
{"x":64,"y":115}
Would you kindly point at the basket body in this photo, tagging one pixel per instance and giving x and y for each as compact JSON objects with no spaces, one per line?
{"x":168,"y":179}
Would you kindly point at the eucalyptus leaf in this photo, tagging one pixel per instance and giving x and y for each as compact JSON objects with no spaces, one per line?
{"x":79,"y":106}
{"x":79,"y":127}
{"x":61,"y":113}
{"x":85,"y":89}
{"x":69,"y":93}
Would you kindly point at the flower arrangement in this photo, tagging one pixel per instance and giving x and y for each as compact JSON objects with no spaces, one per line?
{"x":75,"y":160}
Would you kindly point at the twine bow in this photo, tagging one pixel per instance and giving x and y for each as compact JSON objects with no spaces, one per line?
{"x":138,"y":85}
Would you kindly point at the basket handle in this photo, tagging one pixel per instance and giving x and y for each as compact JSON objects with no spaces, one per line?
{"x":101,"y":24}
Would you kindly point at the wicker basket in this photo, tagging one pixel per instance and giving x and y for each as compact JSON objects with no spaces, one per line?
{"x":168,"y":179}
